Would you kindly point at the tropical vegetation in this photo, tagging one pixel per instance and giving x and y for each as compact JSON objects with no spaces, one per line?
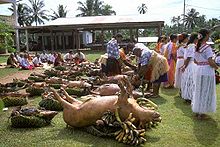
{"x":61,"y":12}
{"x":94,"y":8}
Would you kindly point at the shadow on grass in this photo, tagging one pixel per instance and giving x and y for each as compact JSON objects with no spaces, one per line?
{"x":159,"y":100}
{"x":183,"y":106}
{"x":206,"y":131}
{"x":79,"y":135}
{"x":170,"y":91}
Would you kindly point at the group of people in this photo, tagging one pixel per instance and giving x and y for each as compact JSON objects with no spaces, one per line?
{"x":192,"y":69}
{"x":27,"y":62}
{"x":182,"y":61}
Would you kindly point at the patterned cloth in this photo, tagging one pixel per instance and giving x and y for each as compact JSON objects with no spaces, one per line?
{"x":145,"y":57}
{"x":112,"y":49}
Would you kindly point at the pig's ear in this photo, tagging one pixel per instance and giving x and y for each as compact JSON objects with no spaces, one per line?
{"x":129,"y":87}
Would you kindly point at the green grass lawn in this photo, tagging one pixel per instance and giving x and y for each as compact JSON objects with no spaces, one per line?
{"x":3,"y":59}
{"x":178,"y":128}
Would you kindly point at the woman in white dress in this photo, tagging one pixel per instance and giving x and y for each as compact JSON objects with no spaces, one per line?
{"x":204,"y":98}
{"x":188,"y":80}
{"x":183,"y":39}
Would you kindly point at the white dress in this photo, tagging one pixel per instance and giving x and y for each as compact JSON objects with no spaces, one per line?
{"x":204,"y":98}
{"x":179,"y":64}
{"x":188,"y":76}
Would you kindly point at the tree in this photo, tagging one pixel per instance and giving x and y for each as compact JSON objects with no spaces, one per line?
{"x":61,"y":12}
{"x":191,"y":19}
{"x":86,"y":8}
{"x":36,"y":11}
{"x":177,"y":21}
{"x":94,"y":8}
{"x":142,"y":9}
{"x":22,"y":12}
{"x":107,"y":10}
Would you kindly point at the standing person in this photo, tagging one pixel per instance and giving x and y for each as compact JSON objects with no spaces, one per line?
{"x":158,"y":45}
{"x":188,"y":76}
{"x":152,"y":66}
{"x":113,"y":64}
{"x":204,"y":98}
{"x":183,"y":39}
{"x":170,"y":55}
{"x":164,"y":42}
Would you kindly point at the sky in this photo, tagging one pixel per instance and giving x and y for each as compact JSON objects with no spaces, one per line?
{"x":161,"y":10}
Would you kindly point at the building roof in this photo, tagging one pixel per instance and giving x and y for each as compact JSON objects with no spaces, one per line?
{"x":7,"y":1}
{"x":101,"y":22}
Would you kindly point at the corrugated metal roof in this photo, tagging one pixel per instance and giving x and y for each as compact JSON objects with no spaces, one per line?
{"x":7,"y":1}
{"x":98,"y":20}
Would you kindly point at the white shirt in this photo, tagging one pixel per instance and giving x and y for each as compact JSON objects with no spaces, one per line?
{"x":36,"y":61}
{"x":68,"y":56}
{"x":43,"y":57}
{"x":51,"y":58}
{"x":81,"y":56}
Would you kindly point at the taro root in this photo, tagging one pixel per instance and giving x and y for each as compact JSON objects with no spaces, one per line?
{"x":31,"y":117}
{"x":14,"y":101}
{"x":81,"y":114}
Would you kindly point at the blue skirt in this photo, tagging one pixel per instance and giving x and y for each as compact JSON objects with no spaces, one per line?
{"x":162,"y":78}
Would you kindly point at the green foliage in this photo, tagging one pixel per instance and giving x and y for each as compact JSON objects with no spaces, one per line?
{"x":94,"y":8}
{"x":192,"y":22}
{"x":1,"y":105}
{"x":6,"y":40}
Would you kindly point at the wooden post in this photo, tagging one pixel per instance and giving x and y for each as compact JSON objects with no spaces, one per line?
{"x":42,"y":39}
{"x":137,"y":34}
{"x":52,"y":40}
{"x":102,"y":38}
{"x":55,"y":40}
{"x":27,"y":42}
{"x":159,"y":30}
{"x":63,"y":41}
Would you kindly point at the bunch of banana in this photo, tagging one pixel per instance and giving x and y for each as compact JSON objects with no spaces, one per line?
{"x":152,"y":124}
{"x":50,"y":104}
{"x":129,"y":134}
{"x":147,"y":103}
{"x":14,"y":101}
{"x":34,"y":91}
{"x":109,"y":118}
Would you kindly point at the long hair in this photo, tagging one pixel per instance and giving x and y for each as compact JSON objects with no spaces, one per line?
{"x":182,"y":37}
{"x":192,"y":38}
{"x":201,"y":36}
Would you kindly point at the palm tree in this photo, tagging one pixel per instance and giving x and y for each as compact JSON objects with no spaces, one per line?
{"x":107,"y":10}
{"x":86,"y":8}
{"x":61,"y":12}
{"x":191,"y":19}
{"x":94,"y":8}
{"x":176,"y":21}
{"x":36,"y":11}
{"x":22,"y":13}
{"x":97,"y":5}
{"x":142,"y":9}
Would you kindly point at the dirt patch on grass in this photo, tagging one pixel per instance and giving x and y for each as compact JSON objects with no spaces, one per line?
{"x":21,"y":74}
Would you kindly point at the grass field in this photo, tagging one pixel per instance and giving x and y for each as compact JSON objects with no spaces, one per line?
{"x":178,"y":128}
